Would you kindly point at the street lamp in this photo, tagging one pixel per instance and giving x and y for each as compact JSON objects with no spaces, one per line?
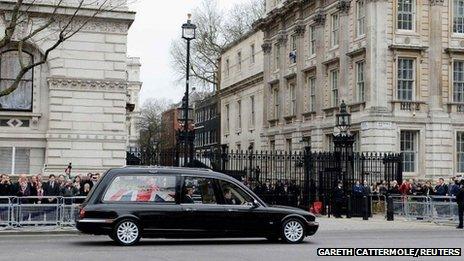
{"x":188,"y":33}
{"x":343,"y":119}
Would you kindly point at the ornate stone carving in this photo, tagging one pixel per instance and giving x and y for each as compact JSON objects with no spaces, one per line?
{"x":343,"y":6}
{"x":82,"y":84}
{"x":436,"y":2}
{"x":282,"y":39}
{"x":267,"y":47}
{"x":95,"y":25}
{"x":319,"y":18}
{"x":299,"y":30}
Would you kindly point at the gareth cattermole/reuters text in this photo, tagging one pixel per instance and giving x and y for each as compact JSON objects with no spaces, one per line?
{"x":414,"y":252}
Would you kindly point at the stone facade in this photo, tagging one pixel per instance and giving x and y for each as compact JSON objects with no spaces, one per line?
{"x":399,"y":72}
{"x":241,"y":93}
{"x":80,"y":96}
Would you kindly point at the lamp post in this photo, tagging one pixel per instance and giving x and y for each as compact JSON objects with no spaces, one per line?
{"x":188,"y":33}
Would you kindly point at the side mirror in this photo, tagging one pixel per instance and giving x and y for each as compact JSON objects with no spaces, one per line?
{"x":255,"y":203}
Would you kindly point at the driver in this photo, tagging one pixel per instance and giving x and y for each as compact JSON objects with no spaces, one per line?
{"x":228,"y":197}
{"x":187,"y":197}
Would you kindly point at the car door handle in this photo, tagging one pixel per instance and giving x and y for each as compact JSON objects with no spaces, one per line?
{"x":231,"y":210}
{"x":190,"y":209}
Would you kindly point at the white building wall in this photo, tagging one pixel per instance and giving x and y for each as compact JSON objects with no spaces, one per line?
{"x":79,"y":99}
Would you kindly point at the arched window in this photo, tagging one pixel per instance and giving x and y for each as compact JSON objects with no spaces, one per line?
{"x":21,"y":98}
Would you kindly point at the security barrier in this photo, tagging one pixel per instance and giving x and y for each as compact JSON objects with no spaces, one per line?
{"x":437,"y":209}
{"x":38,"y":211}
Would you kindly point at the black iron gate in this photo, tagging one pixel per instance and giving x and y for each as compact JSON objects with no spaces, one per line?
{"x":291,"y":178}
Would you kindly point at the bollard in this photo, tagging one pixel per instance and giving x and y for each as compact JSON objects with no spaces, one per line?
{"x":365,"y":208}
{"x":348,"y":209}
{"x":390,"y":212}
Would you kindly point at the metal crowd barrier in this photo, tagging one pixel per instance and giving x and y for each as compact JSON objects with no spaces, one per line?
{"x":437,"y":209}
{"x":38,"y":211}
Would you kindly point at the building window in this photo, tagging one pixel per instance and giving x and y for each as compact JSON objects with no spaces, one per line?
{"x":312,"y":40}
{"x":360,"y":81}
{"x":276,"y":57}
{"x":275,"y":98}
{"x":21,"y":98}
{"x":272,"y":146}
{"x":360,"y":17}
{"x":406,"y":10}
{"x":458,"y":16}
{"x":227,"y":67}
{"x":239,"y":61}
{"x":329,"y":144}
{"x":458,"y":81}
{"x":312,"y":94}
{"x":405,"y":79}
{"x":288,"y":143}
{"x":334,"y":87}
{"x":334,"y":29}
{"x":239,"y":114}
{"x":252,"y":104}
{"x":357,"y":141}
{"x":252,"y":50}
{"x":292,"y":96}
{"x":409,"y":150}
{"x":460,"y":152}
{"x":227,"y":118}
{"x":14,"y":160}
{"x":294,"y":41}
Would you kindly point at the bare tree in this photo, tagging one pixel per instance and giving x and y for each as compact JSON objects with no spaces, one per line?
{"x":216,"y":29}
{"x":21,"y":27}
{"x":150,"y":124}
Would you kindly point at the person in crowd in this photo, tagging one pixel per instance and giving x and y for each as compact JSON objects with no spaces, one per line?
{"x":358,"y":190}
{"x":68,"y":191}
{"x":428,"y":189}
{"x":454,"y":187}
{"x":85,"y":190}
{"x":441,"y":189}
{"x":6,"y":188}
{"x":460,"y":202}
{"x":61,"y":181}
{"x":383,"y":188}
{"x":77,"y":184}
{"x":40,"y":193}
{"x":366,"y":189}
{"x":405,"y":188}
{"x":24,"y":189}
{"x":394,"y":188}
{"x":339,"y":200}
{"x":52,"y":188}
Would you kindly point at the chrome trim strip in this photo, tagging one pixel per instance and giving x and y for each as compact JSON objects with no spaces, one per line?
{"x":95,"y":220}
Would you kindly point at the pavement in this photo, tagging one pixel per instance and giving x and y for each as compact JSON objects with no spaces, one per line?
{"x":354,"y":232}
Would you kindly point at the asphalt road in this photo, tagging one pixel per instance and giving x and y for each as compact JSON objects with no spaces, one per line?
{"x":333,"y":233}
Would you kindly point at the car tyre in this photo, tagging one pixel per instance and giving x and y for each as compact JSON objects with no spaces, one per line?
{"x":293,"y":231}
{"x":126,"y":232}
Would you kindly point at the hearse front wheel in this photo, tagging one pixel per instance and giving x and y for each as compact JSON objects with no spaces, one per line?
{"x":293,"y":231}
{"x":126,"y":232}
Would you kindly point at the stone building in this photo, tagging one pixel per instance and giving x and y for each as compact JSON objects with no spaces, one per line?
{"x":73,"y":108}
{"x":134,"y":86}
{"x":399,"y":64}
{"x":241,"y":93}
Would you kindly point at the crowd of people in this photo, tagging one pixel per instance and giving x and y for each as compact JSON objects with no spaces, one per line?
{"x":418,"y":188}
{"x":37,"y":189}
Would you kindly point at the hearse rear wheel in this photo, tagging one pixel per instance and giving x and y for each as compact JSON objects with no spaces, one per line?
{"x":126,"y":232}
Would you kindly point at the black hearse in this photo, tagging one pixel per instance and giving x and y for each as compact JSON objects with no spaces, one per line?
{"x":157,"y":202}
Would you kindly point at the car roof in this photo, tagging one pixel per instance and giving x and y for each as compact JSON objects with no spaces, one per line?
{"x":167,"y":170}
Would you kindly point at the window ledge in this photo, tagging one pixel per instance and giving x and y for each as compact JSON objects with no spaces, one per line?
{"x":357,"y":106}
{"x":20,"y":114}
{"x":290,"y":117}
{"x":308,"y":113}
{"x":408,"y":105}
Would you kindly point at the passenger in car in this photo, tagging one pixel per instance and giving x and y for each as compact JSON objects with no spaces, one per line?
{"x":187,"y":198}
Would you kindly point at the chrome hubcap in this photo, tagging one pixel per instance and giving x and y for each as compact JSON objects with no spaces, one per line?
{"x":293,"y":231}
{"x":127,"y":232}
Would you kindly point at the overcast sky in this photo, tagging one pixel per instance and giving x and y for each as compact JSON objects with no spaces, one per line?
{"x":157,"y":23}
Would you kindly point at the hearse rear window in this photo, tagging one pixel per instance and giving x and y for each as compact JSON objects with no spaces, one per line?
{"x":142,"y":188}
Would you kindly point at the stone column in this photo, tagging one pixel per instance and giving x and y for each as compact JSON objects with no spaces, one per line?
{"x":376,"y":55}
{"x":435,"y":53}
{"x":344,"y":41}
